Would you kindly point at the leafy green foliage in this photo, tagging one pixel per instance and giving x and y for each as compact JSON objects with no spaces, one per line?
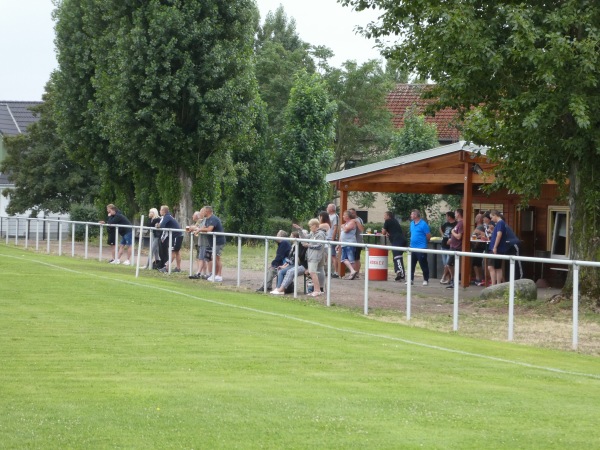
{"x":415,"y":136}
{"x":159,"y":86}
{"x":305,"y":154}
{"x":364,"y":125}
{"x":84,"y":213}
{"x":45,"y":178}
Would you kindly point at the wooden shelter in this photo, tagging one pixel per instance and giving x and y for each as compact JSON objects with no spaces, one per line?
{"x":462,"y":169}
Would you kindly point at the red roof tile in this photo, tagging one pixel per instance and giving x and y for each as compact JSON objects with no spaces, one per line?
{"x":405,"y":96}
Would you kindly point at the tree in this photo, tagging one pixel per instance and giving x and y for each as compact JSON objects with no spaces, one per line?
{"x":364,"y":124}
{"x":416,"y":135}
{"x":305,"y":151}
{"x":45,"y":178}
{"x":531,"y":72}
{"x":158,"y":88}
{"x":280,"y":53}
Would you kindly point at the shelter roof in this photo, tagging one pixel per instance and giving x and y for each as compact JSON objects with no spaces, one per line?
{"x":440,"y":170}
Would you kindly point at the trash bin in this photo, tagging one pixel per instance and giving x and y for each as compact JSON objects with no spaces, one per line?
{"x":378,"y":264}
{"x":436,"y":266}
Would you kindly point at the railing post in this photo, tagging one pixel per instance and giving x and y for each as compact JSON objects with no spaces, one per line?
{"x":48,"y":234}
{"x":511,"y":300}
{"x":37,"y":234}
{"x":575,"y":306}
{"x":455,"y":291}
{"x":137,"y":265}
{"x":239,"y":261}
{"x":100,"y":242}
{"x":329,"y":269}
{"x":73,"y":240}
{"x":17,"y":232}
{"x":408,"y":284}
{"x":26,"y":232}
{"x":59,"y":237}
{"x":265,"y":265}
{"x":87,"y":238}
{"x":366,"y":307}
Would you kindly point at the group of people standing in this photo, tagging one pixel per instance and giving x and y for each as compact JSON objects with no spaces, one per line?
{"x":161,"y":255}
{"x":491,"y":235}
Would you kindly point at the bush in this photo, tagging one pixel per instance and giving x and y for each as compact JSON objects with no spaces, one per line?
{"x":274,"y":224}
{"x":84,"y":213}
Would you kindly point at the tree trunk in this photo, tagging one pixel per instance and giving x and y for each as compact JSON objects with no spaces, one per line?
{"x":584,"y":227}
{"x":186,"y":208}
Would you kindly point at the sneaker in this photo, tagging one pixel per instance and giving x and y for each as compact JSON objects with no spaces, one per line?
{"x":480,"y":283}
{"x":425,"y":283}
{"x":442,"y":281}
{"x":411,"y":282}
{"x":127,"y":263}
{"x":450,"y":286}
{"x":196,"y":276}
{"x":399,"y":276}
{"x":110,"y":261}
{"x":206,"y":276}
{"x":335,"y":275}
{"x":163,"y":270}
{"x":213,"y":279}
{"x":218,"y":279}
{"x":276,"y":292}
{"x":176,"y":270}
{"x":115,"y":261}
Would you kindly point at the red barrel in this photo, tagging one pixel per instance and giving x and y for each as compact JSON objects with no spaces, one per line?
{"x":378,"y":264}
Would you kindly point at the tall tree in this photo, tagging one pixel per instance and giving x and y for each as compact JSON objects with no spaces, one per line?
{"x":164,"y":86}
{"x":45,"y":178}
{"x":364,"y":124}
{"x":305,"y":153}
{"x":280,"y":53}
{"x":531,"y":69}
{"x":416,"y":135}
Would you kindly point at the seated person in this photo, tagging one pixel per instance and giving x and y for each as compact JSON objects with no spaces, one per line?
{"x":287,"y":283}
{"x":283,"y":250}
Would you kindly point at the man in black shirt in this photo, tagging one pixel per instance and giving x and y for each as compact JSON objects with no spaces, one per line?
{"x":393,"y":230}
{"x":116,"y":219}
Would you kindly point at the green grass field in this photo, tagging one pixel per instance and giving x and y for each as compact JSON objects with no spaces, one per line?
{"x":91,"y":357}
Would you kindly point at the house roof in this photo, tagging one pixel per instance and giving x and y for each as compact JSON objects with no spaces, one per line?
{"x":404,"y":96}
{"x":439,"y":170}
{"x":15,"y":117}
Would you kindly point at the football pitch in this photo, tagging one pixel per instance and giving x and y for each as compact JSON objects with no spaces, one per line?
{"x":92,"y":357}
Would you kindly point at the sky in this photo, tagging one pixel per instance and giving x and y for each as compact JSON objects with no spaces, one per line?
{"x":27,"y":39}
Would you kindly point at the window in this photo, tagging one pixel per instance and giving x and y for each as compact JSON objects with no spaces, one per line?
{"x":558,"y":235}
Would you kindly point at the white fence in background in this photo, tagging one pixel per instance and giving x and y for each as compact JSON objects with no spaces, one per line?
{"x":27,"y":231}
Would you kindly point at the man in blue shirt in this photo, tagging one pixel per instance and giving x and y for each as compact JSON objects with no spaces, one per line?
{"x":419,"y":237}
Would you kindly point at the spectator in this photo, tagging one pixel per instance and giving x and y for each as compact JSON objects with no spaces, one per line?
{"x":314,"y":254}
{"x":214,"y":225}
{"x":445,"y":229}
{"x":393,"y":230}
{"x":479,"y":247}
{"x":115,"y":219}
{"x":168,"y":222}
{"x":285,"y":277}
{"x":360,"y":229}
{"x":419,"y":237}
{"x":283,"y":251}
{"x":348,"y":235}
{"x":154,"y":257}
{"x":498,"y":246}
{"x":199,"y":220}
{"x":333,"y":235}
{"x":455,"y":244}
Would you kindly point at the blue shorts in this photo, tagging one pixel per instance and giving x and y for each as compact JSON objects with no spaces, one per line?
{"x":348,"y":254}
{"x":126,"y":240}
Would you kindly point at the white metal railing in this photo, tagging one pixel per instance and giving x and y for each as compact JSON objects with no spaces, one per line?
{"x":575,"y":264}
